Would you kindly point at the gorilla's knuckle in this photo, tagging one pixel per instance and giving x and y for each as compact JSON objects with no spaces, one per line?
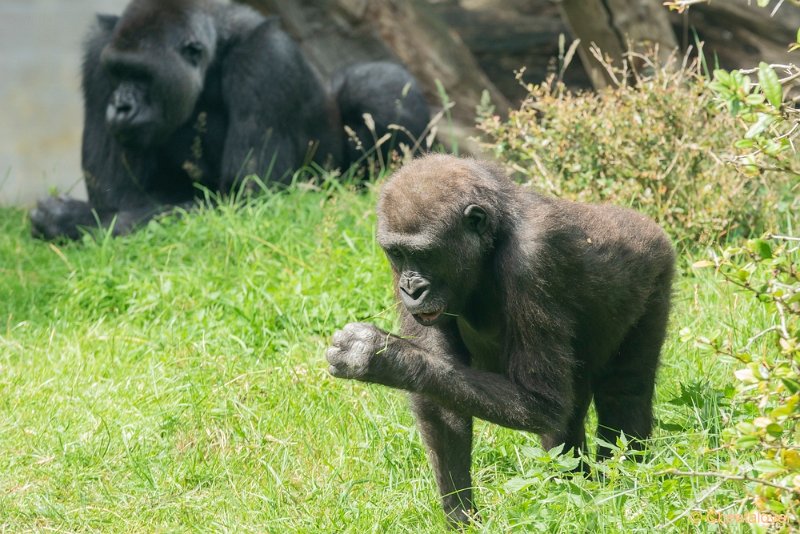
{"x":361,"y":332}
{"x":332,"y":355}
{"x":358,"y":349}
{"x":340,"y":337}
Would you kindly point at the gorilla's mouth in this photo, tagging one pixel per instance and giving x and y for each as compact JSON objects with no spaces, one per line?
{"x":133,"y":136}
{"x":427,"y":319}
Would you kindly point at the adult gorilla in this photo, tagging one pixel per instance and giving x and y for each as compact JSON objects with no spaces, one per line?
{"x":185,"y":92}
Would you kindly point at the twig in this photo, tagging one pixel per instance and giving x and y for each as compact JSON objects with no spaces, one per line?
{"x":773,"y":65}
{"x":790,"y":78}
{"x":762,"y":333}
{"x":782,"y":315}
{"x":681,"y":5}
{"x":726,"y":476}
{"x":784,"y":237}
{"x":598,"y":55}
{"x":688,"y":511}
{"x":777,"y":7}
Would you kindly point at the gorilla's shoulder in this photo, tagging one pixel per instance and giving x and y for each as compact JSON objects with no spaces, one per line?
{"x":236,"y":21}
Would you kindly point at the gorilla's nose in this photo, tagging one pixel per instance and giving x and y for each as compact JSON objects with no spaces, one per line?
{"x":121,"y":113}
{"x":122,"y":107}
{"x":414,"y":288}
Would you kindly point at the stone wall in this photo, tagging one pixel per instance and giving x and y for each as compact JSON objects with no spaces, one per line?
{"x":40,"y":102}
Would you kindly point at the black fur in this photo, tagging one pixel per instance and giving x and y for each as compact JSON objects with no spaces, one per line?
{"x":399,"y":102}
{"x":185,"y":92}
{"x":517,"y":309}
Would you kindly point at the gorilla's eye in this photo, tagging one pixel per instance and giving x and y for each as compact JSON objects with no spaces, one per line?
{"x":193,"y":52}
{"x":394,"y":253}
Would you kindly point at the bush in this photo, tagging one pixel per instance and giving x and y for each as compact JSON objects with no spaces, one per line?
{"x":658,"y":145}
{"x":764,"y":430}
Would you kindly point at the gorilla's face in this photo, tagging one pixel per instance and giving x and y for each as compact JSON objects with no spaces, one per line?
{"x":437,"y":268}
{"x":157,"y":66}
{"x":438,"y":223}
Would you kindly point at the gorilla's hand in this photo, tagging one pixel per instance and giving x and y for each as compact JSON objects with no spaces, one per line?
{"x":356,"y":352}
{"x":61,"y":217}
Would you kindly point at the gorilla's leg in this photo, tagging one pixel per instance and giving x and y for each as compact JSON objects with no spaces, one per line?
{"x":573,"y":435}
{"x":273,"y":158}
{"x":624,"y":395}
{"x":448,"y":439}
{"x":392,"y":97}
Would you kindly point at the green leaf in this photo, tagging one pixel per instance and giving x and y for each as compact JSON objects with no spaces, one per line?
{"x":782,"y":411}
{"x":604,"y":443}
{"x":762,"y":248}
{"x":792,"y":385}
{"x":746,"y":84}
{"x":768,"y":466}
{"x":722,"y":76}
{"x":762,"y":3}
{"x":517,"y":484}
{"x":770,"y":84}
{"x":774,"y":429}
{"x":532,"y":452}
{"x":763,"y":122}
{"x":746,"y":427}
{"x":568,"y":463}
{"x":556,"y":451}
{"x":672,"y":427}
{"x":754,"y":99}
{"x":734,"y":106}
{"x":743,"y":275}
{"x":746,"y":442}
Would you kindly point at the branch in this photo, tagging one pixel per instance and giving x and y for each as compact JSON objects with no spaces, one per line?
{"x":726,"y":476}
{"x":681,"y":5}
{"x":784,"y":237}
{"x":697,"y":501}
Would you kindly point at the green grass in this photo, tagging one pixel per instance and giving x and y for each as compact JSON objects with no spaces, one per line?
{"x":174,"y":380}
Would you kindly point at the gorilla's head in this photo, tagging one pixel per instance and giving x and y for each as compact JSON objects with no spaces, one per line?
{"x":438,"y":220}
{"x":157,"y":60}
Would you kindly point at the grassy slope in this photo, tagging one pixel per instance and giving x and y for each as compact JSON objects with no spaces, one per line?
{"x":174,"y":380}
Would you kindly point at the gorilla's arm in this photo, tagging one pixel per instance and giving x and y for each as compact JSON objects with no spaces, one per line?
{"x":293,"y":103}
{"x":62,"y":217}
{"x":429,"y":366}
{"x":445,"y":395}
{"x":448,"y":439}
{"x":115,"y":179}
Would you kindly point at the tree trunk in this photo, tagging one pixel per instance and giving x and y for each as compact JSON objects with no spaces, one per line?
{"x":507,"y":35}
{"x":612,"y":25}
{"x":336,"y":33}
{"x":740,"y":34}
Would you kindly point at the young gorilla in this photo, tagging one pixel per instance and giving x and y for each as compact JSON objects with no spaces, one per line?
{"x":517,"y":309}
{"x":185,"y":92}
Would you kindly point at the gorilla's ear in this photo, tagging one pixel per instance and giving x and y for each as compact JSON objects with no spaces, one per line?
{"x":476,"y":218}
{"x":107,"y":22}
